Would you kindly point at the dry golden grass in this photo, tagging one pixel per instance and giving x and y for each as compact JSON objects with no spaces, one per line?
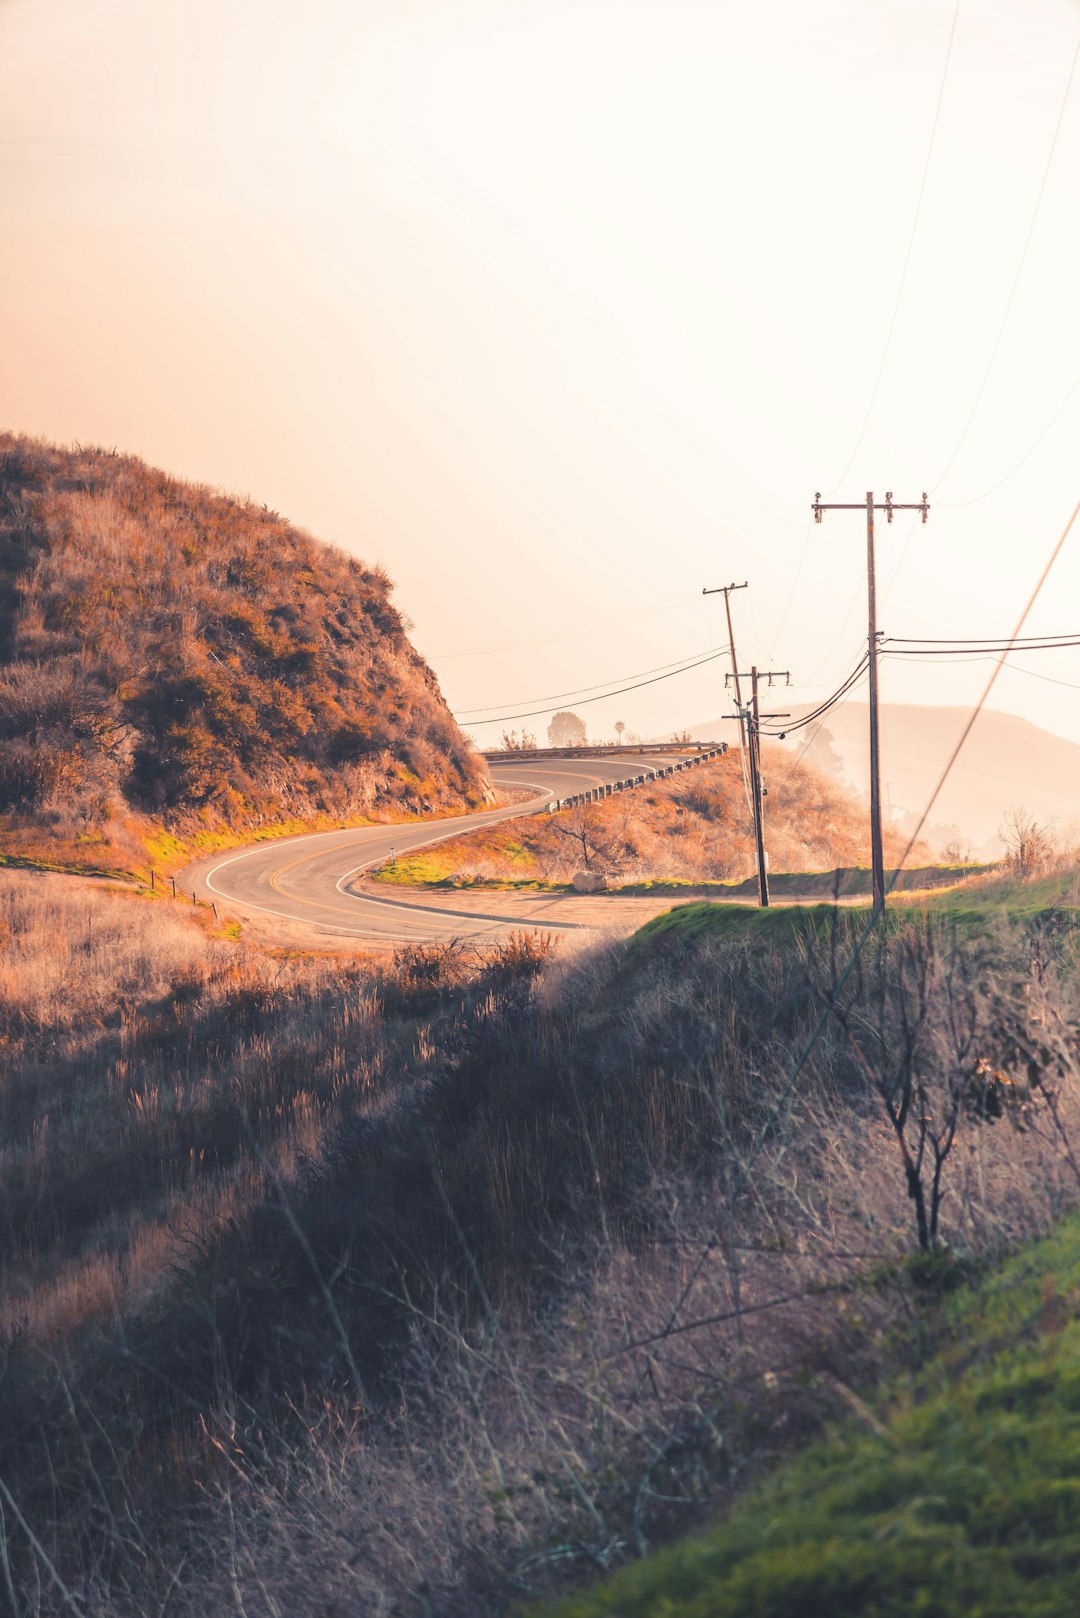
{"x":695,"y":828}
{"x":321,"y":1277}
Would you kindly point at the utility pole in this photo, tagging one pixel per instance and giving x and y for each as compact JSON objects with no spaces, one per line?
{"x":757,"y":791}
{"x":725,"y":591}
{"x":877,"y":857}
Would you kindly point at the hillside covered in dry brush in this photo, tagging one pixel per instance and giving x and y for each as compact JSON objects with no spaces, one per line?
{"x":687,"y":829}
{"x":171,"y":652}
{"x":426,"y":1285}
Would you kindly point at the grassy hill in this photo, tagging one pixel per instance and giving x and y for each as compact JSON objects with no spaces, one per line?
{"x":956,"y":1493}
{"x":172,"y":654}
{"x":439,"y":1283}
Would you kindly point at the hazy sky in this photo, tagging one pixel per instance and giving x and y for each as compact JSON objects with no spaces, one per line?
{"x":563,"y":309}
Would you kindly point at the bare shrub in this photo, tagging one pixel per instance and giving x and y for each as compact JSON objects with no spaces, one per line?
{"x":435,"y":1283}
{"x":1029,"y":846}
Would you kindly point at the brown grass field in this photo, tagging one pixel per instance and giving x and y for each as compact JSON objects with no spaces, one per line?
{"x":421,"y":1285}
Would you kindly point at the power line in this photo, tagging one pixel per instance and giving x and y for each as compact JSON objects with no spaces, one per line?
{"x":956,"y":505}
{"x":907,"y":256}
{"x":812,"y":735}
{"x":501,"y":719}
{"x":1013,"y":668}
{"x":976,"y":640}
{"x":1019,"y":272}
{"x":794,"y":583}
{"x":830,"y":702}
{"x":573,"y":634}
{"x":856,"y":593}
{"x":1018,"y":668}
{"x":746,"y":1165}
{"x":968,"y":651}
{"x":560,"y":696}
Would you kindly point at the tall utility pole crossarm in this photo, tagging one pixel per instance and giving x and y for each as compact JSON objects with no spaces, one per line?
{"x":757,"y":789}
{"x":725,"y":591}
{"x":877,"y":855}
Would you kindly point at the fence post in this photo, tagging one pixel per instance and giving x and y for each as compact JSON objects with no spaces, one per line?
{"x":153,"y":884}
{"x":172,"y":879}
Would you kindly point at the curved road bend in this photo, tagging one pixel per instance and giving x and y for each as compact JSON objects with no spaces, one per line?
{"x":306,"y":881}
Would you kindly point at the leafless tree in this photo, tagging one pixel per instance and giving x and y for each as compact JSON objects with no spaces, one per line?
{"x":928,"y":1036}
{"x":1029,"y":846}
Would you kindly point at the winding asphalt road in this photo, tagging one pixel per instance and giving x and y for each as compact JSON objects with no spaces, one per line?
{"x":307,"y":884}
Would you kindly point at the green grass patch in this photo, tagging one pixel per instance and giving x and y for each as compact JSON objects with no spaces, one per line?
{"x":966,"y":1504}
{"x":1016,"y":895}
{"x":708,"y":920}
{"x":435,"y":867}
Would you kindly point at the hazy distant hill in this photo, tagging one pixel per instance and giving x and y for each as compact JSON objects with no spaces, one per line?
{"x":1005,"y":762}
{"x":169,"y":650}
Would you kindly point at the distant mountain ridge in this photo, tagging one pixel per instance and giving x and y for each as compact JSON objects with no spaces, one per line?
{"x":1005,"y":762}
{"x":171,"y":652}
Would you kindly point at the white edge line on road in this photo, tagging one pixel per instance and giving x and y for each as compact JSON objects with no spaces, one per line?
{"x":453,"y":830}
{"x":307,"y":837}
{"x":444,"y":837}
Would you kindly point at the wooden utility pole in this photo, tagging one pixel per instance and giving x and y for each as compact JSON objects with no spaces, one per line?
{"x":877,"y":856}
{"x":725,"y":591}
{"x":755,"y":786}
{"x":757,"y":790}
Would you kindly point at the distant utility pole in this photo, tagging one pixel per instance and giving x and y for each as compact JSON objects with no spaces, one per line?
{"x":757,"y":789}
{"x":725,"y":591}
{"x":877,"y":857}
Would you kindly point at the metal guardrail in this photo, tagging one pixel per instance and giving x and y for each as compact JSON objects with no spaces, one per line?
{"x":513,"y":755}
{"x":597,"y":794}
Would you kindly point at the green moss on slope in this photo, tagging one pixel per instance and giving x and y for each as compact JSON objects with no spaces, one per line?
{"x":963,"y":1503}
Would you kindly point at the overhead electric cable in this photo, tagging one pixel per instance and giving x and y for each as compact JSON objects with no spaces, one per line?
{"x":823,"y":708}
{"x":1018,"y":668}
{"x":812,"y":735}
{"x":856,"y":593}
{"x":746,"y":1164}
{"x":796,"y":581}
{"x":956,"y":505}
{"x":907,"y":255}
{"x":502,"y":719}
{"x":1019,"y":271}
{"x":582,"y":690}
{"x":976,"y":640}
{"x":974,"y":651}
{"x":988,"y":657}
{"x":573,"y":634}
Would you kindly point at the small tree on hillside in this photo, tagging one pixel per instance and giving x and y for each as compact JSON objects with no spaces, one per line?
{"x":566,"y":730}
{"x":598,"y":844}
{"x":1029,"y":847}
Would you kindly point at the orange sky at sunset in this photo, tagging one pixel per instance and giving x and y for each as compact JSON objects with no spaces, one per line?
{"x":564,"y":310}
